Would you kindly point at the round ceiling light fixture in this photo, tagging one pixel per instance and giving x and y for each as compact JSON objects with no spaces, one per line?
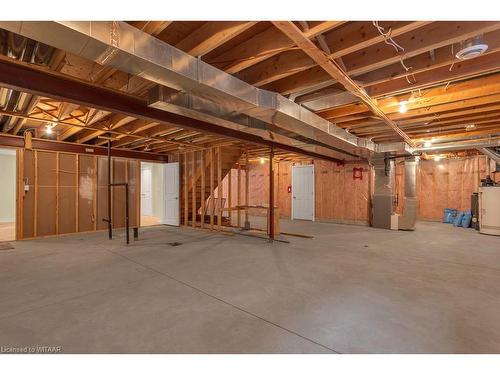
{"x":471,"y":48}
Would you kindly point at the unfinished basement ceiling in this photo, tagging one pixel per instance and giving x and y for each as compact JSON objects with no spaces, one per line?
{"x":414,"y":79}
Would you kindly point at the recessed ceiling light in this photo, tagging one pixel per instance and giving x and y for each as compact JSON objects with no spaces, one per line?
{"x":48,"y":128}
{"x":471,"y":48}
{"x":428,"y":144}
{"x":402,"y":107}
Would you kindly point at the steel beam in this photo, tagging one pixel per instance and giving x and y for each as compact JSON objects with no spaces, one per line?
{"x":27,"y":78}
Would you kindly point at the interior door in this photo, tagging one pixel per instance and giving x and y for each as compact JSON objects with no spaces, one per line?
{"x":171,"y":184}
{"x":146,"y":193}
{"x":303,"y":192}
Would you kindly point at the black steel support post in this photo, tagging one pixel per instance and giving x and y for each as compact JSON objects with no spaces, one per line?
{"x":127,"y":215}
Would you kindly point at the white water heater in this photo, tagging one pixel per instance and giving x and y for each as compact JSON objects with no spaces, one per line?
{"x":489,"y":210}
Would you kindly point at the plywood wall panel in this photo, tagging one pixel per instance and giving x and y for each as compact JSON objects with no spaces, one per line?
{"x":284,"y":179}
{"x":447,"y":183}
{"x":133,"y":179}
{"x":46,"y":204}
{"x":67,"y":192}
{"x":87,"y":193}
{"x":340,"y":197}
{"x":102,"y":192}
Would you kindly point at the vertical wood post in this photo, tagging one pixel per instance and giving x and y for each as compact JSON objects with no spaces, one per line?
{"x":271,"y":194}
{"x":193,"y":188}
{"x":219,"y":188}
{"x":229,"y":197}
{"x":35,"y":209}
{"x":212,"y":189}
{"x":238,"y":194}
{"x":110,"y":224}
{"x":186,"y":191}
{"x":247,"y":187}
{"x":57,"y":193}
{"x":77,"y":182}
{"x":203,"y":206}
{"x":94,"y":195}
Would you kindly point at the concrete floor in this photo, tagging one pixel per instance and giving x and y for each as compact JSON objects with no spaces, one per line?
{"x":351,"y":289}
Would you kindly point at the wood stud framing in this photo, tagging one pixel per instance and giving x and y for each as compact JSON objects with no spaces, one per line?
{"x":219,"y":189}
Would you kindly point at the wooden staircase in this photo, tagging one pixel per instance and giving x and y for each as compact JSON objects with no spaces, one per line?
{"x":205,"y":172}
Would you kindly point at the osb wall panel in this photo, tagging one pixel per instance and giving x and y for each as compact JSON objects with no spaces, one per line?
{"x":86,"y":193}
{"x":67,"y":193}
{"x":448,"y":183}
{"x":46,"y":193}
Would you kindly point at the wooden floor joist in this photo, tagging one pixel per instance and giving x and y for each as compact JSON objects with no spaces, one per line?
{"x":332,"y":68}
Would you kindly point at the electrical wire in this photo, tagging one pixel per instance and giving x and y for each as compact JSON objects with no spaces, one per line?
{"x":399,"y":50}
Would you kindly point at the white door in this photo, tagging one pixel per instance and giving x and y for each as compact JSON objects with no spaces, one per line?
{"x":303,"y":192}
{"x":146,"y":194}
{"x":171,"y":185}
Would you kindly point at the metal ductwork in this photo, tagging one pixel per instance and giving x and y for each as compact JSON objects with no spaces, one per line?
{"x":408,"y":220}
{"x":128,"y":49}
{"x":383,"y":198}
{"x":463,"y":145}
{"x":196,"y":107}
{"x":491,"y":153}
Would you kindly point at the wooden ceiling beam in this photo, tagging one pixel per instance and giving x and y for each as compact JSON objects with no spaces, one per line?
{"x":461,"y":70}
{"x":442,"y":118}
{"x":442,"y":57}
{"x":470,"y":89}
{"x":135,"y":127}
{"x":291,"y":62}
{"x":211,"y":35}
{"x":114,"y":122}
{"x":151,"y":27}
{"x":263,"y":46}
{"x":424,"y":39}
{"x":493,"y":130}
{"x":294,"y":33}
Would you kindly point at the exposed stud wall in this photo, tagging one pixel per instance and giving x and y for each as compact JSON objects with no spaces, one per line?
{"x":68,"y":193}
